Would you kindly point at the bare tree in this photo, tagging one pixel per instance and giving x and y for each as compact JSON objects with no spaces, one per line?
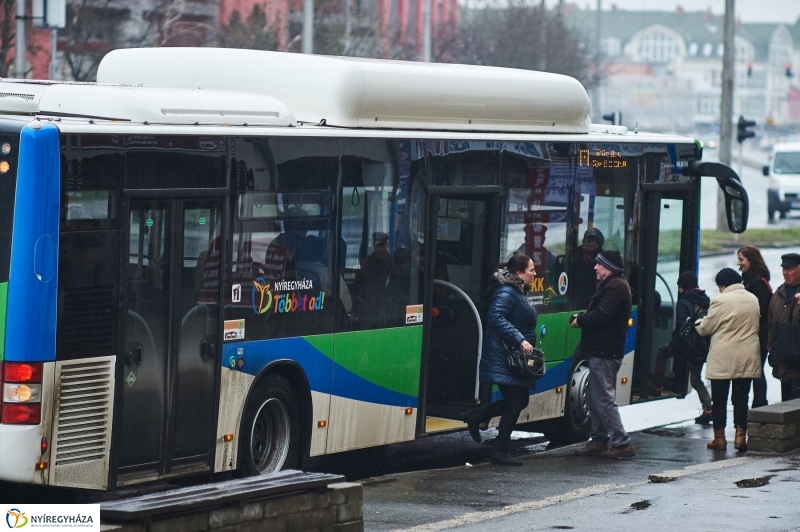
{"x":7,"y":35}
{"x":95,"y":27}
{"x":513,"y":37}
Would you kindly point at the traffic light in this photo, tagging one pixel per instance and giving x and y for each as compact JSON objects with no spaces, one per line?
{"x":615,"y":118}
{"x":744,"y":132}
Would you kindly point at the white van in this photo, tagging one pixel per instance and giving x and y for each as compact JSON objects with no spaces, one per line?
{"x":783,"y":194}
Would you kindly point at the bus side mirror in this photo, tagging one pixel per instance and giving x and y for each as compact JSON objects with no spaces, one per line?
{"x":765,"y":170}
{"x":737,"y":205}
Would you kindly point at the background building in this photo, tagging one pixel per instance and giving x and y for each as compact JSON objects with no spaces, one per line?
{"x":664,"y":69}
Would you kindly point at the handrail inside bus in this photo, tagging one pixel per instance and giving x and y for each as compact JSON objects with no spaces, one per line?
{"x":671,"y":298}
{"x":480,"y":330}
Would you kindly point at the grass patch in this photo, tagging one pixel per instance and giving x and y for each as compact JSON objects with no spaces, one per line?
{"x":711,"y":240}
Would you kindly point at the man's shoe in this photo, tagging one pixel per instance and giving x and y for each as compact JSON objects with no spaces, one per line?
{"x":626,"y":451}
{"x":705,"y":418}
{"x":591,"y":449}
{"x":470,"y":418}
{"x":504,"y":459}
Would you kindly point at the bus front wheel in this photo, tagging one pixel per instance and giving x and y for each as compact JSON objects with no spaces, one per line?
{"x":270,"y":435}
{"x":575,"y":424}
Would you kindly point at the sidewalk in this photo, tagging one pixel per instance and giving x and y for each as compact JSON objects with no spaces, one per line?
{"x":674,"y":483}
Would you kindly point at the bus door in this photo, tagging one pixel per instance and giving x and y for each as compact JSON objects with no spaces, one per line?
{"x":171,"y":268}
{"x":460,"y":254}
{"x":669,"y":247}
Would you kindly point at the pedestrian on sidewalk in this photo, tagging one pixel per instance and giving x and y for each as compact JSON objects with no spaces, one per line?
{"x":784,"y":326}
{"x":511,"y":321}
{"x":755,"y":276}
{"x":691,"y":302}
{"x":733,"y":358}
{"x":604,"y":329}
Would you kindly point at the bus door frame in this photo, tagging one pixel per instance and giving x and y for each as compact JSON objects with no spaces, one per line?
{"x":174,"y":197}
{"x":492,"y":196}
{"x":653,"y":193}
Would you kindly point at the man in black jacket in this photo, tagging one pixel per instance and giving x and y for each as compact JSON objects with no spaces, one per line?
{"x":604,"y":331}
{"x":690,"y":296}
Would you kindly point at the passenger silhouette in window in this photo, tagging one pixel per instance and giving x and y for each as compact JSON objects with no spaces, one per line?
{"x":371,"y":277}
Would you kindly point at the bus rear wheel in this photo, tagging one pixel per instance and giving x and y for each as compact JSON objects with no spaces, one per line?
{"x":270,"y":435}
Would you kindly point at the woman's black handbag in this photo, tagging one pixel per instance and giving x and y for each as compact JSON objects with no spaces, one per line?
{"x":526,"y":365}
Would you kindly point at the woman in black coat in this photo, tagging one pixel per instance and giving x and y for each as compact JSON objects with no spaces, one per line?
{"x":755,"y":275}
{"x":510,"y":321}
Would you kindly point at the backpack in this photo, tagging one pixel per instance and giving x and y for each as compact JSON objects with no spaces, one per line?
{"x":696,"y":346}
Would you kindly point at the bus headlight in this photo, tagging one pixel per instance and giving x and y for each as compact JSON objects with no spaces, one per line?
{"x":22,"y":393}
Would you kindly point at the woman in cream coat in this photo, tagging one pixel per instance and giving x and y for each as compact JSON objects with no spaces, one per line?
{"x":734,"y":357}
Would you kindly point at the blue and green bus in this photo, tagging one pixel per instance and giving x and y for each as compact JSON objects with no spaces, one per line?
{"x":233,"y":269}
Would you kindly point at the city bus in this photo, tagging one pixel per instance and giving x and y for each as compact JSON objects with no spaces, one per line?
{"x":227,"y":261}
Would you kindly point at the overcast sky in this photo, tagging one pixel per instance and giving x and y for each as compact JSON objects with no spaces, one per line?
{"x":786,"y":11}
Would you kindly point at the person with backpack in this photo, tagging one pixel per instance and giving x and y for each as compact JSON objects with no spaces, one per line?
{"x":686,"y":342}
{"x":733,"y":359}
{"x":755,"y":275}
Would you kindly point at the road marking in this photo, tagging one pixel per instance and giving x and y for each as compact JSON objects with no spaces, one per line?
{"x":479,"y":517}
{"x":580,"y":493}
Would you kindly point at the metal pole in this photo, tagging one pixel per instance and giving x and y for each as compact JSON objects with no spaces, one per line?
{"x":348,"y":25}
{"x":596,"y":81}
{"x":53,"y":51}
{"x":308,"y":26}
{"x":726,"y":110}
{"x":427,"y":56}
{"x":21,"y":46}
{"x":542,"y":37}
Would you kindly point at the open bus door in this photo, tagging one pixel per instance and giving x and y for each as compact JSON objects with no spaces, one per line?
{"x":460,"y":254}
{"x":670,"y":245}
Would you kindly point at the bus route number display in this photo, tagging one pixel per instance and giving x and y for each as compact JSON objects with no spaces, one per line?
{"x":601,"y":159}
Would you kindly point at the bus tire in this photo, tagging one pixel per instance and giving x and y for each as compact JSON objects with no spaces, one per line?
{"x":575,"y":425}
{"x":270,"y":437}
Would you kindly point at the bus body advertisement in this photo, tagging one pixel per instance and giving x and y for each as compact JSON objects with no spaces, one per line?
{"x":202,"y":281}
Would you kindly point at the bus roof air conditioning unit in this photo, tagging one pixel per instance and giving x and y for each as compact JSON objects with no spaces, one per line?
{"x":368,"y":93}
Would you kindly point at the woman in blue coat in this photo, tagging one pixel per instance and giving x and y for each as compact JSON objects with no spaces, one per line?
{"x":510,"y":321}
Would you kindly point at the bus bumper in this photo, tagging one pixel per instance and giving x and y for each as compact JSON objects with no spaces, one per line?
{"x":20,"y":447}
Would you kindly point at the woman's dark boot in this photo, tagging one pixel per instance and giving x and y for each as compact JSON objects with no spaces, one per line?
{"x":740,"y":441}
{"x":719,"y":443}
{"x":503,"y":458}
{"x":470,"y":417}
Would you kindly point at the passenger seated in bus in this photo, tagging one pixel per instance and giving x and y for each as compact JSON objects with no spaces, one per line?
{"x":371,"y":277}
{"x":582,"y":279}
{"x":281,"y":251}
{"x":398,"y":288}
{"x":311,"y":266}
{"x":543,"y":259}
